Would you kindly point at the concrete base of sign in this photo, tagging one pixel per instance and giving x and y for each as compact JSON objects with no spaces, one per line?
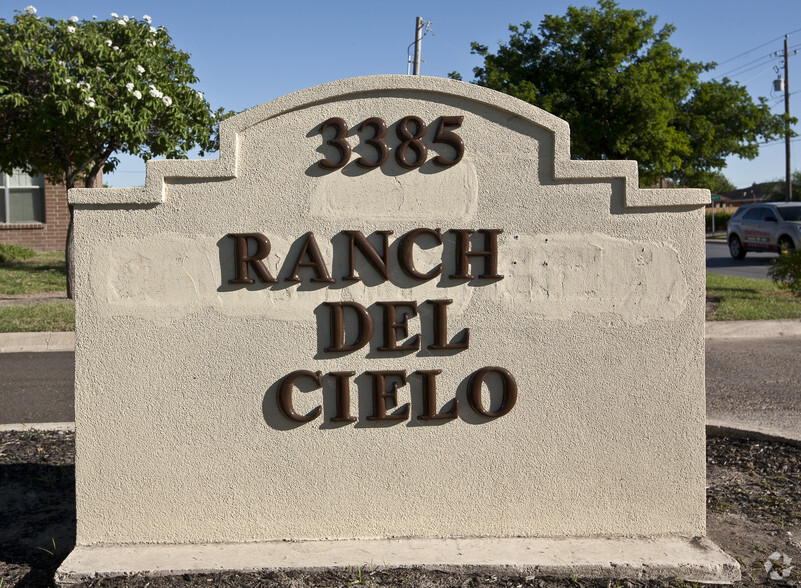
{"x":692,"y":559}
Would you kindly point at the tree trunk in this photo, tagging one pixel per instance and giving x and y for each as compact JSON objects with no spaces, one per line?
{"x":89,"y":182}
{"x":68,"y":256}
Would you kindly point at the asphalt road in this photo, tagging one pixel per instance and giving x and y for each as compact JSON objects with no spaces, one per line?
{"x":747,"y":381}
{"x":755,"y":381}
{"x":37,"y":387}
{"x":755,"y":265}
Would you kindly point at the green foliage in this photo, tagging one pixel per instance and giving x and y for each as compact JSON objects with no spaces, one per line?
{"x":714,"y":181}
{"x":73,"y":93}
{"x":14,"y":253}
{"x":628,"y":93}
{"x":722,"y":218}
{"x":776,"y":191}
{"x":786,"y":270}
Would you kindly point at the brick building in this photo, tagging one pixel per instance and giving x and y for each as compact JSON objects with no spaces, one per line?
{"x":33,"y":212}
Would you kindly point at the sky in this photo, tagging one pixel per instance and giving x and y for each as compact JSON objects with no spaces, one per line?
{"x":247,"y":52}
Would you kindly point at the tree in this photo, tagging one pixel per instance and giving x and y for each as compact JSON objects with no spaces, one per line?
{"x":777,"y":190}
{"x":714,"y":181}
{"x":74,"y":93}
{"x":628,"y":94}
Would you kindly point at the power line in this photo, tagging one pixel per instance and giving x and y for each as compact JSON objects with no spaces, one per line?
{"x":777,"y":142}
{"x":760,"y":62}
{"x":761,"y":73}
{"x":757,"y":47}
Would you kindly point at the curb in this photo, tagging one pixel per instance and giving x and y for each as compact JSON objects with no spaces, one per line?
{"x":27,"y":342}
{"x":719,"y":428}
{"x":67,"y":427}
{"x":752,"y":329}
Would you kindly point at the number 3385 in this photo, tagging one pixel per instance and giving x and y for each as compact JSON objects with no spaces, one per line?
{"x":410,"y":130}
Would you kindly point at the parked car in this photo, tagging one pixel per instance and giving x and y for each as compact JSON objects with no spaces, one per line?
{"x":771,"y":226}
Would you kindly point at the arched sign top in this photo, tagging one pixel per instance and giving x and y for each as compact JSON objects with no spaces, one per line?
{"x":423,"y":88}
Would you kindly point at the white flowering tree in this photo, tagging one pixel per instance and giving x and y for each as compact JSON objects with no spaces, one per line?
{"x":73,"y":93}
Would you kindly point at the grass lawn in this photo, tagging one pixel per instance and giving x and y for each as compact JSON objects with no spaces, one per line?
{"x":45,"y":272}
{"x":30,"y":318}
{"x":744,"y":299}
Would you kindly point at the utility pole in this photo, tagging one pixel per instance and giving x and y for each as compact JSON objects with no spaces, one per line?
{"x":418,"y":42}
{"x":789,"y":194}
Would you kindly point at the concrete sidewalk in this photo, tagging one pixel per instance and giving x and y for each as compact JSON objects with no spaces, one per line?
{"x":28,"y":342}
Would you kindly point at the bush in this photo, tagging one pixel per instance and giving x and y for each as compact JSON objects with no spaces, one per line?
{"x":786,"y":271}
{"x":721,"y":219}
{"x":14,"y":253}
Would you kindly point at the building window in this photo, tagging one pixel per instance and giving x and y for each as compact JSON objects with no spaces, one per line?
{"x":21,"y":198}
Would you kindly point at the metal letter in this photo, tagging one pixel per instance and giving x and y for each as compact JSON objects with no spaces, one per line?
{"x":490,"y":253}
{"x":406,"y":254}
{"x":509,"y":391}
{"x":430,"y":398}
{"x":441,"y":328}
{"x":381,"y":395}
{"x":285,"y":396}
{"x":343,"y":397}
{"x":338,"y":327}
{"x":379,"y":262}
{"x":391,"y":326}
{"x":243,"y":259}
{"x":315,"y":262}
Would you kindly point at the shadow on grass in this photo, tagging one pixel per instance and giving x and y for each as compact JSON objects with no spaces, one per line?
{"x":36,"y":266}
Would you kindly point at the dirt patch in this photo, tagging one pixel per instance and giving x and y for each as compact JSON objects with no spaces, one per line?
{"x":711,"y":306}
{"x":753,"y":513}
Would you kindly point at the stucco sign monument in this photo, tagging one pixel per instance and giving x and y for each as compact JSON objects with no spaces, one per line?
{"x":393,"y":324}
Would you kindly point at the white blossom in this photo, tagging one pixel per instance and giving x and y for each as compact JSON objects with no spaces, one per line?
{"x":83,"y":86}
{"x":62,"y":63}
{"x":67,"y":81}
{"x":125,"y":17}
{"x":108,"y":42}
{"x":167,"y":100}
{"x":70,"y":30}
{"x":122,"y":22}
{"x":115,"y":15}
{"x":199,"y":95}
{"x":137,"y":94}
{"x":147,"y":19}
{"x":94,"y":17}
{"x":154,"y":92}
{"x":117,"y":49}
{"x":153,"y":30}
{"x":129,"y":86}
{"x":30,"y":9}
{"x":140,"y":69}
{"x":90,"y":102}
{"x":73,"y":19}
{"x":150,"y":42}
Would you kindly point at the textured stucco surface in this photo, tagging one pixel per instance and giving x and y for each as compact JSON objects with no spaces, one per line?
{"x":599,"y":318}
{"x":694,"y":560}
